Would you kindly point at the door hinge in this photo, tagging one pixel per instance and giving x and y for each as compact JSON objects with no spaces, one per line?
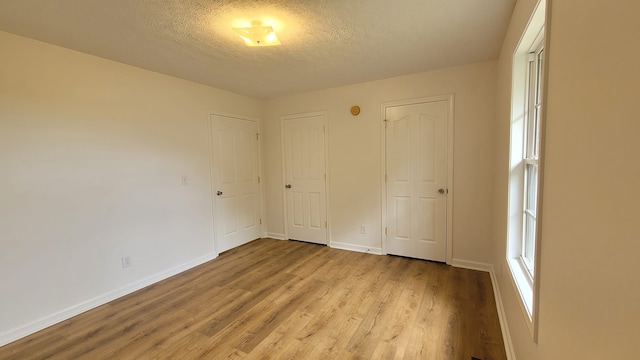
{"x":325,"y":224}
{"x":258,"y":179}
{"x":257,"y":136}
{"x":260,"y":221}
{"x":325,"y":177}
{"x":385,"y":122}
{"x":385,"y":230}
{"x":385,"y":177}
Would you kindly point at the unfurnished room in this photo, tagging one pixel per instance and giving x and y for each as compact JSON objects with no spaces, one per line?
{"x":280,"y":179}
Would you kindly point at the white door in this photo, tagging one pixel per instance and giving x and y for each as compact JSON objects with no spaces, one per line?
{"x":235,"y":181}
{"x":416,"y":148}
{"x":304,"y":168}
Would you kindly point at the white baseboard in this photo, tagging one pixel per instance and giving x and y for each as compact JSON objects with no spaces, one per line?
{"x":502,"y":317}
{"x":45,"y":322}
{"x":471,"y":265}
{"x":275,"y":236}
{"x":358,"y":248}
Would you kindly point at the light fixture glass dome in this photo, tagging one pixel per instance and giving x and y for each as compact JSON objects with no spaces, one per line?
{"x":258,"y":35}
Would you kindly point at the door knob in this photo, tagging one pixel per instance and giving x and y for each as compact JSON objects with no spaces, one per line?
{"x":441,"y":191}
{"x":219,"y":193}
{"x":288,"y":186}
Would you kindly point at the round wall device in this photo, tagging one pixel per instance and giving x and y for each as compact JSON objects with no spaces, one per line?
{"x":355,"y":110}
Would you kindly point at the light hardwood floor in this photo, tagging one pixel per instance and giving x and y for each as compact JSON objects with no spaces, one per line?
{"x":272,"y":299}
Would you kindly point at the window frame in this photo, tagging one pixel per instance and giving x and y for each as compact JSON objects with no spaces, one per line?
{"x":531,"y":152}
{"x":525,"y":277}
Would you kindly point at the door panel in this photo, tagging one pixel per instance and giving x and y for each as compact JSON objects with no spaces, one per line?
{"x":416,"y":170}
{"x":235,"y":178}
{"x":304,"y":165}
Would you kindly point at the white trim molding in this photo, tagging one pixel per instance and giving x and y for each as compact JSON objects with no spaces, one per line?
{"x":357,"y":248}
{"x":471,"y":265}
{"x":502,"y":316}
{"x":276,"y":236}
{"x":45,"y":322}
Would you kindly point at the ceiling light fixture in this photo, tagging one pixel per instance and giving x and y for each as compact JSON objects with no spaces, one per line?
{"x":258,"y":35}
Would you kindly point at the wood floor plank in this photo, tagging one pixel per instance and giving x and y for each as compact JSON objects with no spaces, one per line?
{"x":369,"y":332}
{"x":31,"y":346}
{"x":326,"y":348}
{"x":274,"y":314}
{"x":273,"y":299}
{"x":331,"y":341}
{"x":239,"y":306}
{"x":319,"y":325}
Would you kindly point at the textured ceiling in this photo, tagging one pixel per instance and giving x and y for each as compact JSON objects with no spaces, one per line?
{"x":325,"y":43}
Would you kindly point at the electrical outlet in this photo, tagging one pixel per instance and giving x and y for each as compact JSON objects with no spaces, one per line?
{"x":185,"y":180}
{"x":126,"y":262}
{"x":363,"y":229}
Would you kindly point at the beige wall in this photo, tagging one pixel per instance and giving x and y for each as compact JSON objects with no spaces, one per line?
{"x":355,"y":154}
{"x":91,"y":158}
{"x":590,"y":250}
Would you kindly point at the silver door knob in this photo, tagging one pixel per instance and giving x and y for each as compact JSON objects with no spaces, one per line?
{"x":288,"y":186}
{"x":219,"y":193}
{"x":441,"y":191}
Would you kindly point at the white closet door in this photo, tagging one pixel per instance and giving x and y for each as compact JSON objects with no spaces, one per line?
{"x":416,"y":138}
{"x":235,"y":182}
{"x":304,"y":156}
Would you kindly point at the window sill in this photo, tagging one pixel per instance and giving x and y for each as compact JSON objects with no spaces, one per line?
{"x":522,"y":284}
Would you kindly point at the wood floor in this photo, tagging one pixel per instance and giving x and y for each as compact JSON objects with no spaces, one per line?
{"x":273,"y":299}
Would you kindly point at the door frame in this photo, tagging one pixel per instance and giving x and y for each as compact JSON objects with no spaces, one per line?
{"x":212,"y":184}
{"x":326,"y":170}
{"x":383,"y":167}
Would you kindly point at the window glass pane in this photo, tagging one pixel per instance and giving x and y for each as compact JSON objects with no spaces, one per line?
{"x":538,"y":105}
{"x":529,"y":241}
{"x":531,"y":188}
{"x":533,"y":154}
{"x":539,"y":60}
{"x":530,"y":119}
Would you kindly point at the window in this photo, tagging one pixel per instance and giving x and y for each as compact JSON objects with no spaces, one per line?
{"x":525,"y":164}
{"x":531,"y":156}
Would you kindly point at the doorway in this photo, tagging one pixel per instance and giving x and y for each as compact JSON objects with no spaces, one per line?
{"x":304,"y":174}
{"x":235,"y":181}
{"x":418,"y":186}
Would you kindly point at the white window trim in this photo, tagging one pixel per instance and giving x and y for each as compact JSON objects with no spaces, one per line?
{"x":524,"y":283}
